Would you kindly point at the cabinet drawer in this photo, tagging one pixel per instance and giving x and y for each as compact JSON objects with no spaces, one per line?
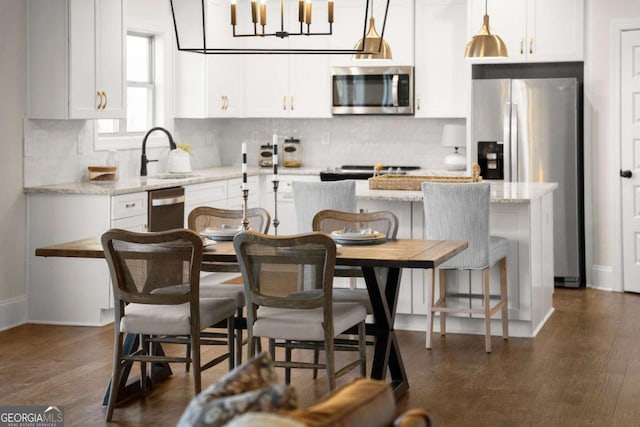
{"x":234,"y":187}
{"x":136,"y":223}
{"x":212,"y":194}
{"x":128,"y":205}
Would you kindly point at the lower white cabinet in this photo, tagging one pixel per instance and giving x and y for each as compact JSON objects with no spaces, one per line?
{"x":286,"y":208}
{"x":75,"y":291}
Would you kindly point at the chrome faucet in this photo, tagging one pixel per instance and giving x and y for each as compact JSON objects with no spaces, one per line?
{"x":143,"y":158}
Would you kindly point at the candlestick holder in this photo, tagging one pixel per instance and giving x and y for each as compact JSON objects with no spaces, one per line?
{"x":276,"y":222}
{"x":245,"y":220}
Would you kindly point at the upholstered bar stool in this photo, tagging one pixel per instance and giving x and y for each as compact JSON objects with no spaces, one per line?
{"x":460,"y":211}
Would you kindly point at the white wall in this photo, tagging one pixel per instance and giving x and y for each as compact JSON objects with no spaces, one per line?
{"x":13,"y":90}
{"x":604,"y":177}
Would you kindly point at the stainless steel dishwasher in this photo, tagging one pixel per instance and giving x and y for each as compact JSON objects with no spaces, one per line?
{"x":166,"y":209}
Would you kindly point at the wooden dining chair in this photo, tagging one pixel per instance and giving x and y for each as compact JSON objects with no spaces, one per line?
{"x":142,"y":267}
{"x":288,"y":285}
{"x":204,"y":217}
{"x":460,"y":211}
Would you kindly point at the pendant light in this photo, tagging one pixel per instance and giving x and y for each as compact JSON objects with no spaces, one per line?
{"x":373,"y":45}
{"x":484,"y":44}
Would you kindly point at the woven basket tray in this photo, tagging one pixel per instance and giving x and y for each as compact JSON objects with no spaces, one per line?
{"x":413,"y":182}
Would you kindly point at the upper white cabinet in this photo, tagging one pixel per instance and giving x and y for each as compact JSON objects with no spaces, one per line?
{"x":533,"y":30}
{"x":76,"y":59}
{"x":209,"y":85}
{"x":442,"y":74}
{"x":288,"y":85}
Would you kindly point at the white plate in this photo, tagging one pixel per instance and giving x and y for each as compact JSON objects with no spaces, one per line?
{"x":223,"y":233}
{"x":358,"y":237}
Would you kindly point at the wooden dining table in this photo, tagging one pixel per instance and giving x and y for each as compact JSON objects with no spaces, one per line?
{"x":393,"y":254}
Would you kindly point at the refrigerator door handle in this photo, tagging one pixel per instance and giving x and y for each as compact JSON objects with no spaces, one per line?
{"x":516,"y":173}
{"x":506,"y":140}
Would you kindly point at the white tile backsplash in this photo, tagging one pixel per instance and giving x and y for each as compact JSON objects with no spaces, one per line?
{"x":58,"y":151}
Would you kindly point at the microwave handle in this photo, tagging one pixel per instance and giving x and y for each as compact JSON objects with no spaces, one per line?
{"x":394,"y":91}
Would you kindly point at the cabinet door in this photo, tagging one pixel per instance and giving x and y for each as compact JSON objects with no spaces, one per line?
{"x":224,"y":73}
{"x":508,"y":19}
{"x":442,"y":73}
{"x":83,"y":98}
{"x":266,"y":86}
{"x":110,"y":70}
{"x":96,"y":64}
{"x":555,"y":30}
{"x":309,"y":86}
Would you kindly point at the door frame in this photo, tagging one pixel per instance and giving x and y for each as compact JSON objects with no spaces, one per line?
{"x":618,"y":28}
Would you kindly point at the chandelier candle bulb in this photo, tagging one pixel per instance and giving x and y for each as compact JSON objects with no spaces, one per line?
{"x":263,"y":12}
{"x":233,"y":12}
{"x":330,"y":11}
{"x":307,"y":15}
{"x":254,"y":11}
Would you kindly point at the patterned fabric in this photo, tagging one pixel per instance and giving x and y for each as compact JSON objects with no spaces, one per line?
{"x":252,"y":375}
{"x":249,"y":387}
{"x":217,"y":412}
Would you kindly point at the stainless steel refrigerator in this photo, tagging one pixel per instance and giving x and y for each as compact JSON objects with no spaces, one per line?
{"x":536,"y":123}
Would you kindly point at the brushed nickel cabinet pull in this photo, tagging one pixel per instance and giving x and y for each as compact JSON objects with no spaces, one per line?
{"x":130,"y":205}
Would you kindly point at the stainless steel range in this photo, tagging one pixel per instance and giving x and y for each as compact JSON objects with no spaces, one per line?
{"x":361,"y":172}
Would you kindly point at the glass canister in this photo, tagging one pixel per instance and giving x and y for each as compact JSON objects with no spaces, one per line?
{"x":266,"y":156}
{"x":292,"y":153}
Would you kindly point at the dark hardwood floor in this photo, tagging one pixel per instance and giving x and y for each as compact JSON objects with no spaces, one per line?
{"x":583,"y":369}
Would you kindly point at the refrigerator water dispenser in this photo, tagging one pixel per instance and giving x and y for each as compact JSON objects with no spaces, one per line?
{"x":491,"y":159}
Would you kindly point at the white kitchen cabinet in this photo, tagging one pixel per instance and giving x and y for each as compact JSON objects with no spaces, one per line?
{"x":212,"y":194}
{"x":234,"y":193}
{"x":288,"y":85}
{"x":533,"y":30}
{"x":442,"y":74}
{"x":75,"y":291}
{"x":209,"y":86}
{"x":76,"y":59}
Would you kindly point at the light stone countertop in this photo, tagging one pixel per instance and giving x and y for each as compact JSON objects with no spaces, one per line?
{"x":501,"y":192}
{"x":136,"y":184}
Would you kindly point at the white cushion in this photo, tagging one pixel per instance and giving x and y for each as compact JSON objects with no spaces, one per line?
{"x":174,"y":319}
{"x":305,"y":324}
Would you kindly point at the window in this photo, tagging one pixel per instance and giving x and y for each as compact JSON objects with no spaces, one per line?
{"x":140,"y":89}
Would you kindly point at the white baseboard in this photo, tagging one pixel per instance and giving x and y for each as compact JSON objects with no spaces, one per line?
{"x":602,"y":277}
{"x":13,"y":312}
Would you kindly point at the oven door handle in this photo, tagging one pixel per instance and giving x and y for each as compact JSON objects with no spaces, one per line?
{"x":167,"y":201}
{"x":395,"y":83}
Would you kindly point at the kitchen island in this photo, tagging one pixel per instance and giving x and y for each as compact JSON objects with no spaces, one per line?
{"x":64,"y":212}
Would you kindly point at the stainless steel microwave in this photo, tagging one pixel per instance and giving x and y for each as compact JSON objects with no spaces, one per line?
{"x":372,"y":90}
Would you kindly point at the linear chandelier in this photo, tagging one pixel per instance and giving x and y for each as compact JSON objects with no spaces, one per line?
{"x":199,"y":29}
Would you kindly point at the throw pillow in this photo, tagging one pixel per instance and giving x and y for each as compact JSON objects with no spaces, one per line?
{"x":217,"y":412}
{"x":255,"y":373}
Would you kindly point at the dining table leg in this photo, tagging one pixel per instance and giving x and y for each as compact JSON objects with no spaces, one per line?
{"x":386,"y":356}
